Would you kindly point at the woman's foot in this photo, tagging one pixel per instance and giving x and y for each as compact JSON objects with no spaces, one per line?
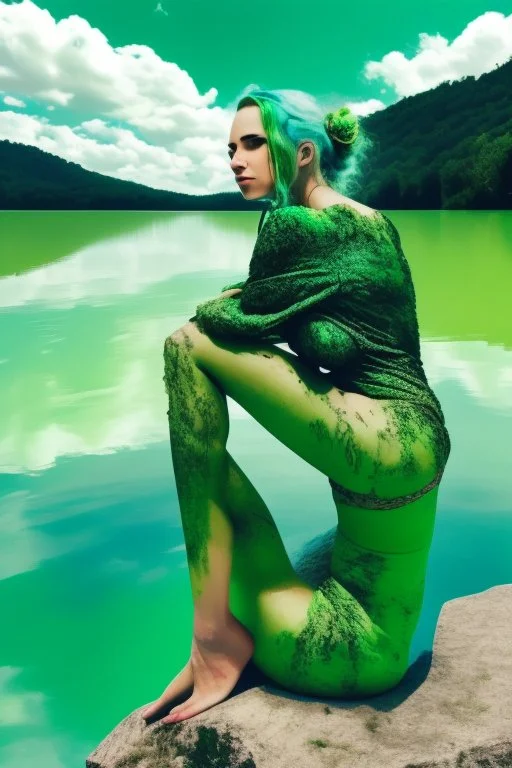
{"x":216,"y":663}
{"x":183,"y":682}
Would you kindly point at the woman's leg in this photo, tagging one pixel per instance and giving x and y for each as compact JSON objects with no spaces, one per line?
{"x":338,"y":433}
{"x":198,"y":425}
{"x":256,"y":541}
{"x":261,"y":569}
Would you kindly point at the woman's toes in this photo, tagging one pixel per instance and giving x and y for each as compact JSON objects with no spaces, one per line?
{"x":177,"y":687}
{"x":154,"y":707}
{"x":148,"y":711}
{"x":174,"y":715}
{"x":191,"y":707}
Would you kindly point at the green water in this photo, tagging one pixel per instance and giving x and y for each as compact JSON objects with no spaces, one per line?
{"x":93,"y":580}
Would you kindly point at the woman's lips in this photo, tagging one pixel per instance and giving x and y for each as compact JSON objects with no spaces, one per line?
{"x":244,"y":181}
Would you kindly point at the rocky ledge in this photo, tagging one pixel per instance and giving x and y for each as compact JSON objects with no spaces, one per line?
{"x":452,"y":709}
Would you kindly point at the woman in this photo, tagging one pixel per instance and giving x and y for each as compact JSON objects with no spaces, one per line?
{"x":329,"y":277}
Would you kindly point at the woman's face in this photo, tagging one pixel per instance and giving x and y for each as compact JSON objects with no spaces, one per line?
{"x":248,"y":150}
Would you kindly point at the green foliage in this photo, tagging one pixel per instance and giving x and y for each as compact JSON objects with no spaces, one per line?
{"x":450,"y":147}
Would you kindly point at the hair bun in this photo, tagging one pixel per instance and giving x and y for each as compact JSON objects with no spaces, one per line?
{"x":342,"y":126}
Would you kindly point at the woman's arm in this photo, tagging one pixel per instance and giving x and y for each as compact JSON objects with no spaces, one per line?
{"x":224,"y":295}
{"x":288,"y":275}
{"x":261,"y":310}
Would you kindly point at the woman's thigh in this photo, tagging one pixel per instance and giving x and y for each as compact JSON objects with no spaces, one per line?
{"x":314,"y":641}
{"x":355,"y":440}
{"x":318,"y":641}
{"x":322,"y":642}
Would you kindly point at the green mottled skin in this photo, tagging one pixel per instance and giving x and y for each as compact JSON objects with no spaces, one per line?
{"x":196,"y":430}
{"x":335,"y":285}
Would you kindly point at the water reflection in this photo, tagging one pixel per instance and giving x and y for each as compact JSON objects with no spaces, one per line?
{"x":93,"y":577}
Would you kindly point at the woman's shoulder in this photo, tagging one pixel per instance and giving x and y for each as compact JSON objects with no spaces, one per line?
{"x":286,"y":224}
{"x":340,"y":201}
{"x":300,"y":213}
{"x":296,"y":225}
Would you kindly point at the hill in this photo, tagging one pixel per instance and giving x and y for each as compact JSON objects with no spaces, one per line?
{"x":450,"y":147}
{"x":31,"y":179}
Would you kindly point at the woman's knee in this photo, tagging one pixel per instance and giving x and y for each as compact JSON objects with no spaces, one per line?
{"x":177,"y":339}
{"x":178,"y":352}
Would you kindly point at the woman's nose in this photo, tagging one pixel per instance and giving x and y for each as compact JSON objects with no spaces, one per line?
{"x":237,"y":163}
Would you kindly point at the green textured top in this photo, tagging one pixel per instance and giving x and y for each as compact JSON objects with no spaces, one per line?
{"x":333,"y":284}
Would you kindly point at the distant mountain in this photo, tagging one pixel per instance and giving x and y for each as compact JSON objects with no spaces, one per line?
{"x":450,"y":147}
{"x":31,"y":179}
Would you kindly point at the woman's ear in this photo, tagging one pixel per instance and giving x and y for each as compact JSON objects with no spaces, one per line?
{"x":306,"y":153}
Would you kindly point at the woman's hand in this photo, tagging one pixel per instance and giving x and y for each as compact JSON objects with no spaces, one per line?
{"x":224,"y":295}
{"x":230,"y":292}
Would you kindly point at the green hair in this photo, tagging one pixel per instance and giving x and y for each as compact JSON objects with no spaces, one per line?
{"x":292,"y":117}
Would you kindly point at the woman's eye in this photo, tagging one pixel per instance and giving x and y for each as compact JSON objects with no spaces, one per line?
{"x":251,"y":143}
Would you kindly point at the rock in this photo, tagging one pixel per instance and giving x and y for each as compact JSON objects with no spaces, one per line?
{"x":453,"y":709}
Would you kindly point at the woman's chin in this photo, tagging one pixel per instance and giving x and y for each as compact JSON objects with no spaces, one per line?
{"x":248,"y":195}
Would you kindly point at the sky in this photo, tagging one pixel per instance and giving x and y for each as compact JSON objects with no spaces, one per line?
{"x":146,"y":91}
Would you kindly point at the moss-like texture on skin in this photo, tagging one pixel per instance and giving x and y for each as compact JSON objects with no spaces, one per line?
{"x":333,"y":643}
{"x":332,"y":283}
{"x":420,"y":432}
{"x":336,"y":625}
{"x":336,"y":287}
{"x":198,"y":433}
{"x":339,"y":651}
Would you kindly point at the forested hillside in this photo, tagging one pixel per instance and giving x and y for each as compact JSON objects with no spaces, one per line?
{"x":450,"y":147}
{"x":31,"y":179}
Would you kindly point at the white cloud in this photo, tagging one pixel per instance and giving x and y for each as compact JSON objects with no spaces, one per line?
{"x":20,"y":753}
{"x":23,"y":546}
{"x":129,"y":413}
{"x":122,"y":156}
{"x":123,"y":407}
{"x":120,"y":565}
{"x":162,"y":131}
{"x":482,"y":369}
{"x":129,"y":264}
{"x":483,"y":44}
{"x":364,"y":108}
{"x":12,"y":102}
{"x":154,"y":574}
{"x":145,"y":118}
{"x":55,"y":61}
{"x":26,"y":708}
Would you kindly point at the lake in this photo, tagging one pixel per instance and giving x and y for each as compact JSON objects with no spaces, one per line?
{"x":94,"y":586}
